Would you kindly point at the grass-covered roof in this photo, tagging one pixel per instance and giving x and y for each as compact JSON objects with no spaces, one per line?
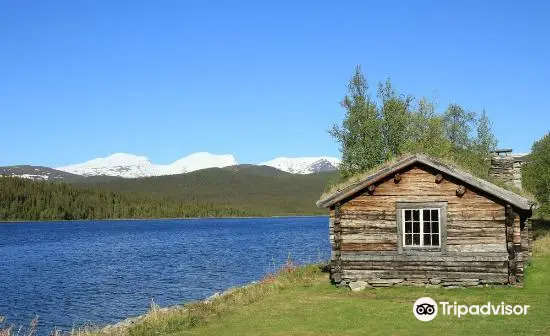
{"x":477,"y":178}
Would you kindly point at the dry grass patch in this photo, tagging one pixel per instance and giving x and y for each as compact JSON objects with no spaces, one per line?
{"x":541,"y":246}
{"x":166,"y":321}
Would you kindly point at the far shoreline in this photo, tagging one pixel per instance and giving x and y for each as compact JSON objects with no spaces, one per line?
{"x":151,"y":219}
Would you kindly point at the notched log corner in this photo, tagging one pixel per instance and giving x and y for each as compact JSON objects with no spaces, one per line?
{"x":460,"y":191}
{"x":397,"y":178}
{"x":371,"y":189}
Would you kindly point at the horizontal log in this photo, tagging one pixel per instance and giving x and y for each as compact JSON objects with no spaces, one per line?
{"x":368,"y":247}
{"x":365,"y":216}
{"x":443,"y":275}
{"x":453,"y":213}
{"x":469,"y":269}
{"x":386,"y":200}
{"x":361,"y":220}
{"x":375,"y":230}
{"x":475,"y":240}
{"x":473,"y":223}
{"x":450,"y":256}
{"x":479,"y":232}
{"x":369,"y":238}
{"x":479,"y":248}
{"x":391,"y":226}
{"x":470,"y":214}
{"x":396,"y":263}
{"x":368,"y":223}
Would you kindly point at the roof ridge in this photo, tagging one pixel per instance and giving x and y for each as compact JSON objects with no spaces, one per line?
{"x":449,"y":169}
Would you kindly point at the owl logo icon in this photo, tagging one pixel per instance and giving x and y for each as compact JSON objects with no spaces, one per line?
{"x":425,"y":309}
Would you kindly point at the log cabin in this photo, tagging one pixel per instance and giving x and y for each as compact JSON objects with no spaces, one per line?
{"x":423,"y":222}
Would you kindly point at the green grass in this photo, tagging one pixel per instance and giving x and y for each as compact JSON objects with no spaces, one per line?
{"x":301,"y":301}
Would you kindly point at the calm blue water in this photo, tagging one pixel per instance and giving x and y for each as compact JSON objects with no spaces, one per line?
{"x":70,"y":273}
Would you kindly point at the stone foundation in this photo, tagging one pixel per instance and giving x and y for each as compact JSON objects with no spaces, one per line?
{"x":428,"y":283}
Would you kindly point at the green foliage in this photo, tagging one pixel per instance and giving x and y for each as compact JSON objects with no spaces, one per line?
{"x":264,"y":191}
{"x":536,"y":174}
{"x":216,"y":192}
{"x":360,"y":135}
{"x":373,"y":132}
{"x":485,"y":142}
{"x":23,"y":199}
{"x":426,"y":131}
{"x":395,"y":119}
{"x":458,"y":126}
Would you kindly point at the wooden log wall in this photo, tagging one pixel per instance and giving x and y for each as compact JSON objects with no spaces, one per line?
{"x":480,"y":244}
{"x":512,"y":222}
{"x":335,"y":240}
{"x":526,"y":238}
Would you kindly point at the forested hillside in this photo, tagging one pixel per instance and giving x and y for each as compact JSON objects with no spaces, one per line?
{"x":218,"y":192}
{"x":22,"y":199}
{"x":255,"y":189}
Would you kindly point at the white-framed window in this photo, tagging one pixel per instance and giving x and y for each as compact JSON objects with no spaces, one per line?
{"x":421,"y":227}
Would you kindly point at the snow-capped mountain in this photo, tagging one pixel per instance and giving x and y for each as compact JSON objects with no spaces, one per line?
{"x":119,"y":164}
{"x":133,"y":166}
{"x":304,"y":165}
{"x":199,"y":161}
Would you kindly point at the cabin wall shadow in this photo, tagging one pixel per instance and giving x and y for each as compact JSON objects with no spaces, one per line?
{"x":540,"y":227}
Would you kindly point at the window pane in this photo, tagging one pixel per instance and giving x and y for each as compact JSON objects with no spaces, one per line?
{"x":435,"y":239}
{"x":426,"y":227}
{"x":426,"y":215}
{"x":435,"y":227}
{"x":425,"y":232}
{"x":435,"y":215}
{"x":427,"y":240}
{"x":416,"y":227}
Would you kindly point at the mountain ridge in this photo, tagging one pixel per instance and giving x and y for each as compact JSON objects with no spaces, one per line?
{"x":303,"y":165}
{"x":252,"y":188}
{"x":243,"y":189}
{"x":135,"y":166}
{"x":38,"y":173}
{"x":129,"y":166}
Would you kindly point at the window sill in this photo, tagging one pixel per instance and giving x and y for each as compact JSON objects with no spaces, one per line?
{"x":421,"y":249}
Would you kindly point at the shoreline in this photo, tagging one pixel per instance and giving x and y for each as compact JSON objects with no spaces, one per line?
{"x":269,"y":279}
{"x":154,"y":308}
{"x":151,"y":219}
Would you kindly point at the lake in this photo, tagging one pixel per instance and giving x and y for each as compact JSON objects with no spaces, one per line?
{"x":100,"y":272}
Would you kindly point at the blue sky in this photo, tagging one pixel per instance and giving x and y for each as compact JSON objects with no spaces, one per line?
{"x":83,"y":79}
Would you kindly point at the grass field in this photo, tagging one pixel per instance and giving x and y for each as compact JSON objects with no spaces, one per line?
{"x":301,"y":301}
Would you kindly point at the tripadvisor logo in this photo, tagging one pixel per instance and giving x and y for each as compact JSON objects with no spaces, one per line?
{"x":425,"y":309}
